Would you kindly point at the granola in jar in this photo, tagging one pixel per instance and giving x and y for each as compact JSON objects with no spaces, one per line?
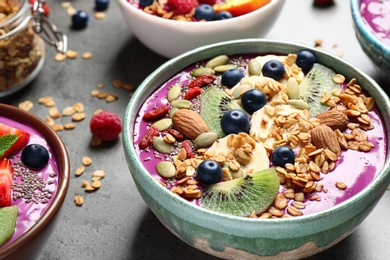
{"x":21,"y":52}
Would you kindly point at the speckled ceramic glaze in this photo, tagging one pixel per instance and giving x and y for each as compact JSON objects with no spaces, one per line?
{"x":28,"y":245}
{"x":375,"y":49}
{"x":244,"y":238}
{"x":170,"y":38}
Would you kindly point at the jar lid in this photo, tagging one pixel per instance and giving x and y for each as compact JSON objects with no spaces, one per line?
{"x":43,"y":27}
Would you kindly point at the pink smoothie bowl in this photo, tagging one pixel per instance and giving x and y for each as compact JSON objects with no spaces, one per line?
{"x":232,"y":237}
{"x":27,"y":244}
{"x":170,"y":38}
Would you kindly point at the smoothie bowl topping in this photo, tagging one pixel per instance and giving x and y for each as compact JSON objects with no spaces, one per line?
{"x":198,"y":10}
{"x":261,"y":135}
{"x":29,"y":177}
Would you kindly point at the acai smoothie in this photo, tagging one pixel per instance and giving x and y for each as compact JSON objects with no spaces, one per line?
{"x":377,"y":15}
{"x":34,"y":171}
{"x":261,"y":135}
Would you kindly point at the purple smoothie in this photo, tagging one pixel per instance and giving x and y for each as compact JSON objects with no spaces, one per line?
{"x":377,"y":14}
{"x":30,"y":212}
{"x":356,"y":169}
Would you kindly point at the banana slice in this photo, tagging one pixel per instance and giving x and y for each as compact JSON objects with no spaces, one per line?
{"x":251,"y":155}
{"x":264,"y":128}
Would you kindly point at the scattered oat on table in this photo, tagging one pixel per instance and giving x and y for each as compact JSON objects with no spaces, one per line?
{"x":86,"y":160}
{"x":26,"y":105}
{"x":79,"y":200}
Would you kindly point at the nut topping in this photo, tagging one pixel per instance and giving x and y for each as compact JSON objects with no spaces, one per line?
{"x":322,"y":136}
{"x":334,"y":118}
{"x":189,"y":123}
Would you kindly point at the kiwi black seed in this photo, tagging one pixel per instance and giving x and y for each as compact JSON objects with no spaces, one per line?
{"x":243,"y":196}
{"x":214,"y":102}
{"x":317,"y":81}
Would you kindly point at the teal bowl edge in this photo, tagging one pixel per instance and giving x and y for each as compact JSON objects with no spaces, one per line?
{"x":376,"y":50}
{"x":204,"y":229}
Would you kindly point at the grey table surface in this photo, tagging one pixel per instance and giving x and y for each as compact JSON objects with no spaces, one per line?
{"x":114,"y":222}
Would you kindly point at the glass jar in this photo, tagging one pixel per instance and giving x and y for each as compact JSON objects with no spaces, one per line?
{"x":22,"y":48}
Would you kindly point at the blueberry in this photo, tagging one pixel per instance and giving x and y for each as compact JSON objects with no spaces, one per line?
{"x":282,"y":155}
{"x":144,"y":3}
{"x":231,"y":77}
{"x":234,"y":121}
{"x":305,"y":60}
{"x":223,"y":15}
{"x":204,"y":12}
{"x":253,"y":100}
{"x":80,"y":20}
{"x":101,"y":5}
{"x":209,"y":172}
{"x":35,"y":156}
{"x":273,"y":69}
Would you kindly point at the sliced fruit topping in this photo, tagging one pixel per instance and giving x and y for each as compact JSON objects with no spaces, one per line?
{"x":8,"y":217}
{"x":6,"y":175}
{"x":240,"y":7}
{"x":12,"y":140}
{"x":35,"y":156}
{"x":243,"y":196}
{"x":214,"y":102}
{"x":317,"y":81}
{"x":241,"y":148}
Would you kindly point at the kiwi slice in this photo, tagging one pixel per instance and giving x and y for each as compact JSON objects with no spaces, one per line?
{"x":317,"y":81}
{"x":243,"y":196}
{"x":214,"y":102}
{"x":8,"y":216}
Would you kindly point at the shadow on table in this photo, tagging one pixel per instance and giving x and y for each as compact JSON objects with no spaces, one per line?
{"x":154,"y":241}
{"x":135,"y":61}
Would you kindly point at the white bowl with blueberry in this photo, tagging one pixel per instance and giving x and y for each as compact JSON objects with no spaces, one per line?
{"x":172,"y":36}
{"x":34,"y":177}
{"x":242,"y":178}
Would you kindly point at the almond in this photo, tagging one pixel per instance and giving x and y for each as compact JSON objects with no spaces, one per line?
{"x":189,"y":123}
{"x":334,"y":118}
{"x":322,"y":136}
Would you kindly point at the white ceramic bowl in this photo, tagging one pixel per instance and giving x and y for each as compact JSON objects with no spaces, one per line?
{"x":170,"y":38}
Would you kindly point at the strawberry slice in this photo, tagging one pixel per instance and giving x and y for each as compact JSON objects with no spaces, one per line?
{"x":6,"y":173}
{"x":240,"y":7}
{"x":12,"y":140}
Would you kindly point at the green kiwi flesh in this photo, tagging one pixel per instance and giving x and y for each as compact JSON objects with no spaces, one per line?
{"x":214,"y":102}
{"x":317,"y":81}
{"x":8,"y":216}
{"x":242,"y":196}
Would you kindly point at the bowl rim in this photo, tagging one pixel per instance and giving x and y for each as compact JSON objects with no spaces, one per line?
{"x":374,"y":185}
{"x":206,"y":25}
{"x":365,"y":28}
{"x":62,"y":156}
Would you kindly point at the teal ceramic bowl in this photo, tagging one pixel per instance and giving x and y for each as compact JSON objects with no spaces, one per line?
{"x":244,"y":238}
{"x":375,"y":49}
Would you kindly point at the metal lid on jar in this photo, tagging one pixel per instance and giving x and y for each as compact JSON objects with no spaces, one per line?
{"x":42,"y":26}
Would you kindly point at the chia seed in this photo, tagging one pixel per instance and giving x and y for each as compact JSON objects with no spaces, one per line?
{"x":27,"y":184}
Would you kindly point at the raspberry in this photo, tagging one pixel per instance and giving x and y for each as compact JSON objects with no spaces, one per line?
{"x":181,"y":7}
{"x":106,"y":125}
